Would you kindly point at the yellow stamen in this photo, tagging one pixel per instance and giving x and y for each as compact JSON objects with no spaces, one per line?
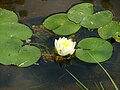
{"x":66,"y":44}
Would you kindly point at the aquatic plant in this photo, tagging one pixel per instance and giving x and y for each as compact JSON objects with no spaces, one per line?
{"x":65,"y":46}
{"x":93,"y":49}
{"x":60,"y":24}
{"x":12,"y":37}
{"x":15,"y":51}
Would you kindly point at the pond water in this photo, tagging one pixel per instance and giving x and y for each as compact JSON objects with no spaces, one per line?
{"x":49,"y":75}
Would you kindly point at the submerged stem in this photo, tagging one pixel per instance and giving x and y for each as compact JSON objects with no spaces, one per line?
{"x":98,"y":88}
{"x":77,"y":80}
{"x":102,"y":86}
{"x":80,"y":86}
{"x":115,"y":86}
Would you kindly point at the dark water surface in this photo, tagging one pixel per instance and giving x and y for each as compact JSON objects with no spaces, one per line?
{"x":50,"y":76}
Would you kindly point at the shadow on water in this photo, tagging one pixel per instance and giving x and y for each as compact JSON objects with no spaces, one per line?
{"x":49,"y":75}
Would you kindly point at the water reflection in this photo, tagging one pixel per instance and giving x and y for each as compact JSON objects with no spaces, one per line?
{"x":29,"y":9}
{"x":23,"y":13}
{"x":10,"y":4}
{"x":106,"y":4}
{"x":89,"y":1}
{"x":50,"y":76}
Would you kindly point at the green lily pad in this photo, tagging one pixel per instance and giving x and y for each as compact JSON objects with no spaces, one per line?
{"x":67,"y":29}
{"x":15,"y":30}
{"x":12,"y":53}
{"x":111,"y":30}
{"x":27,"y":56}
{"x":93,"y":50}
{"x":61,"y":25}
{"x":11,"y":34}
{"x":3,"y":38}
{"x":7,"y":16}
{"x":97,"y":20}
{"x":78,"y":12}
{"x":9,"y":50}
{"x":55,"y":21}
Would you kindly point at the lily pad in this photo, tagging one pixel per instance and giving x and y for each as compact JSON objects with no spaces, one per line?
{"x":3,"y":38}
{"x":12,"y":53}
{"x":67,"y":29}
{"x":55,"y":21}
{"x":93,"y":50}
{"x":27,"y":56}
{"x":11,"y":34}
{"x":97,"y":20}
{"x":9,"y":51}
{"x":61,"y":25}
{"x":111,"y":30}
{"x":7,"y":16}
{"x":78,"y":12}
{"x":15,"y":30}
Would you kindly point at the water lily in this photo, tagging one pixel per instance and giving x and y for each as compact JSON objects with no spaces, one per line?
{"x":65,"y":46}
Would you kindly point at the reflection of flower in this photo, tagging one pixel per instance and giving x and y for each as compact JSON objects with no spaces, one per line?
{"x":64,"y":46}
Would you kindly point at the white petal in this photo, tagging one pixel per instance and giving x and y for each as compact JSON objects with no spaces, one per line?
{"x":57,"y":45}
{"x":60,"y":52}
{"x":72,"y":51}
{"x":62,"y":49}
{"x":56,"y":41}
{"x":74,"y":43}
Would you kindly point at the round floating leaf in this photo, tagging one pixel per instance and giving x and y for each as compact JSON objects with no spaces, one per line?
{"x":3,"y":37}
{"x":111,"y":30}
{"x":78,"y":12}
{"x":97,"y":20}
{"x":55,"y":21}
{"x":94,"y":49}
{"x":9,"y":50}
{"x":7,"y":16}
{"x":67,"y":29}
{"x":27,"y":56}
{"x":15,"y":30}
{"x":61,"y":25}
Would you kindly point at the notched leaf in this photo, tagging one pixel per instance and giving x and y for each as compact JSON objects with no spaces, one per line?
{"x":94,"y":49}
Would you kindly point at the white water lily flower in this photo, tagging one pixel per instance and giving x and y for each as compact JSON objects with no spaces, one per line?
{"x":65,"y":46}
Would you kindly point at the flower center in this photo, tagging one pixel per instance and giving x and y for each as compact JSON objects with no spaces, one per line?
{"x":66,"y":44}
